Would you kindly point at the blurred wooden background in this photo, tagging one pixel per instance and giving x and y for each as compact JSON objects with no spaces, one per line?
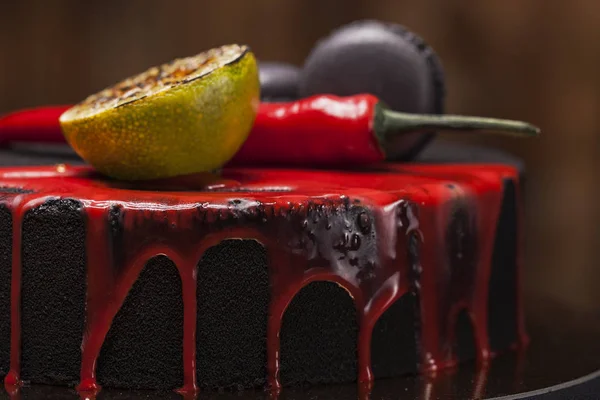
{"x":537,"y":60}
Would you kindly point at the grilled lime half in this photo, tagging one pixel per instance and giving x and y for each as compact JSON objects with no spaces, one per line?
{"x":188,"y":116}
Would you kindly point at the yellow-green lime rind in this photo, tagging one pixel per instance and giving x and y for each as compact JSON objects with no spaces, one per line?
{"x":185,"y":117}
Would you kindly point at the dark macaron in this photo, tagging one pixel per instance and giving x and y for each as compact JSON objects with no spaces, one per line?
{"x":278,"y":81}
{"x":383,"y":59}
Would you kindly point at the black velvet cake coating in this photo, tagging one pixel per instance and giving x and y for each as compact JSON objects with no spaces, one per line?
{"x":5,"y":275}
{"x":143,"y":348}
{"x":53,"y":292}
{"x":319,"y":336}
{"x":394,"y":343}
{"x":38,"y":154}
{"x":441,"y":152}
{"x":502,"y":303}
{"x":233,"y":300}
{"x":465,"y":339}
{"x":438,"y":152}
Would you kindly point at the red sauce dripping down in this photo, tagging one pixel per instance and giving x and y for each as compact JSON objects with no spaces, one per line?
{"x":406,"y":202}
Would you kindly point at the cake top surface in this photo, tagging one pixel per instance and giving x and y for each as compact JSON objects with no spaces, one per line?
{"x":381,"y":184}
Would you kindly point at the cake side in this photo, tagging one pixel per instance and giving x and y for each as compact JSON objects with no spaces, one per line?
{"x":53,"y":291}
{"x":5,"y":277}
{"x":372,"y":238}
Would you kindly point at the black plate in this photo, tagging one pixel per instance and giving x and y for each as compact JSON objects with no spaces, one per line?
{"x":562,"y":361}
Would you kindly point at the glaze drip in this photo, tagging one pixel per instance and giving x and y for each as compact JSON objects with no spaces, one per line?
{"x":423,"y":230}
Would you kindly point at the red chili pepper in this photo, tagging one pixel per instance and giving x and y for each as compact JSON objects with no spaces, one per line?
{"x":32,"y":125}
{"x":321,"y":130}
{"x":327,"y":130}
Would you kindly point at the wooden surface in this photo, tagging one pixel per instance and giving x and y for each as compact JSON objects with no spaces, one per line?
{"x":536,"y":60}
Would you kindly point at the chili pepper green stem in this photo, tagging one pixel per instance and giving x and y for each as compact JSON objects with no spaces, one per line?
{"x":390,"y":122}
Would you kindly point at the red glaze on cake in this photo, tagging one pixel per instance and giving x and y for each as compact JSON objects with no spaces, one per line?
{"x":407,"y":203}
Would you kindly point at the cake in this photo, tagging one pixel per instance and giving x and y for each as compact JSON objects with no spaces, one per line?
{"x":263,"y":277}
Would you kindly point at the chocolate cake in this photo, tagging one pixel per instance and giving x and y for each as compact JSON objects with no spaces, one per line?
{"x":261,"y":277}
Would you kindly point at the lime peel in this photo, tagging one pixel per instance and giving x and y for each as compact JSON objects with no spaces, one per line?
{"x":187,"y":116}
